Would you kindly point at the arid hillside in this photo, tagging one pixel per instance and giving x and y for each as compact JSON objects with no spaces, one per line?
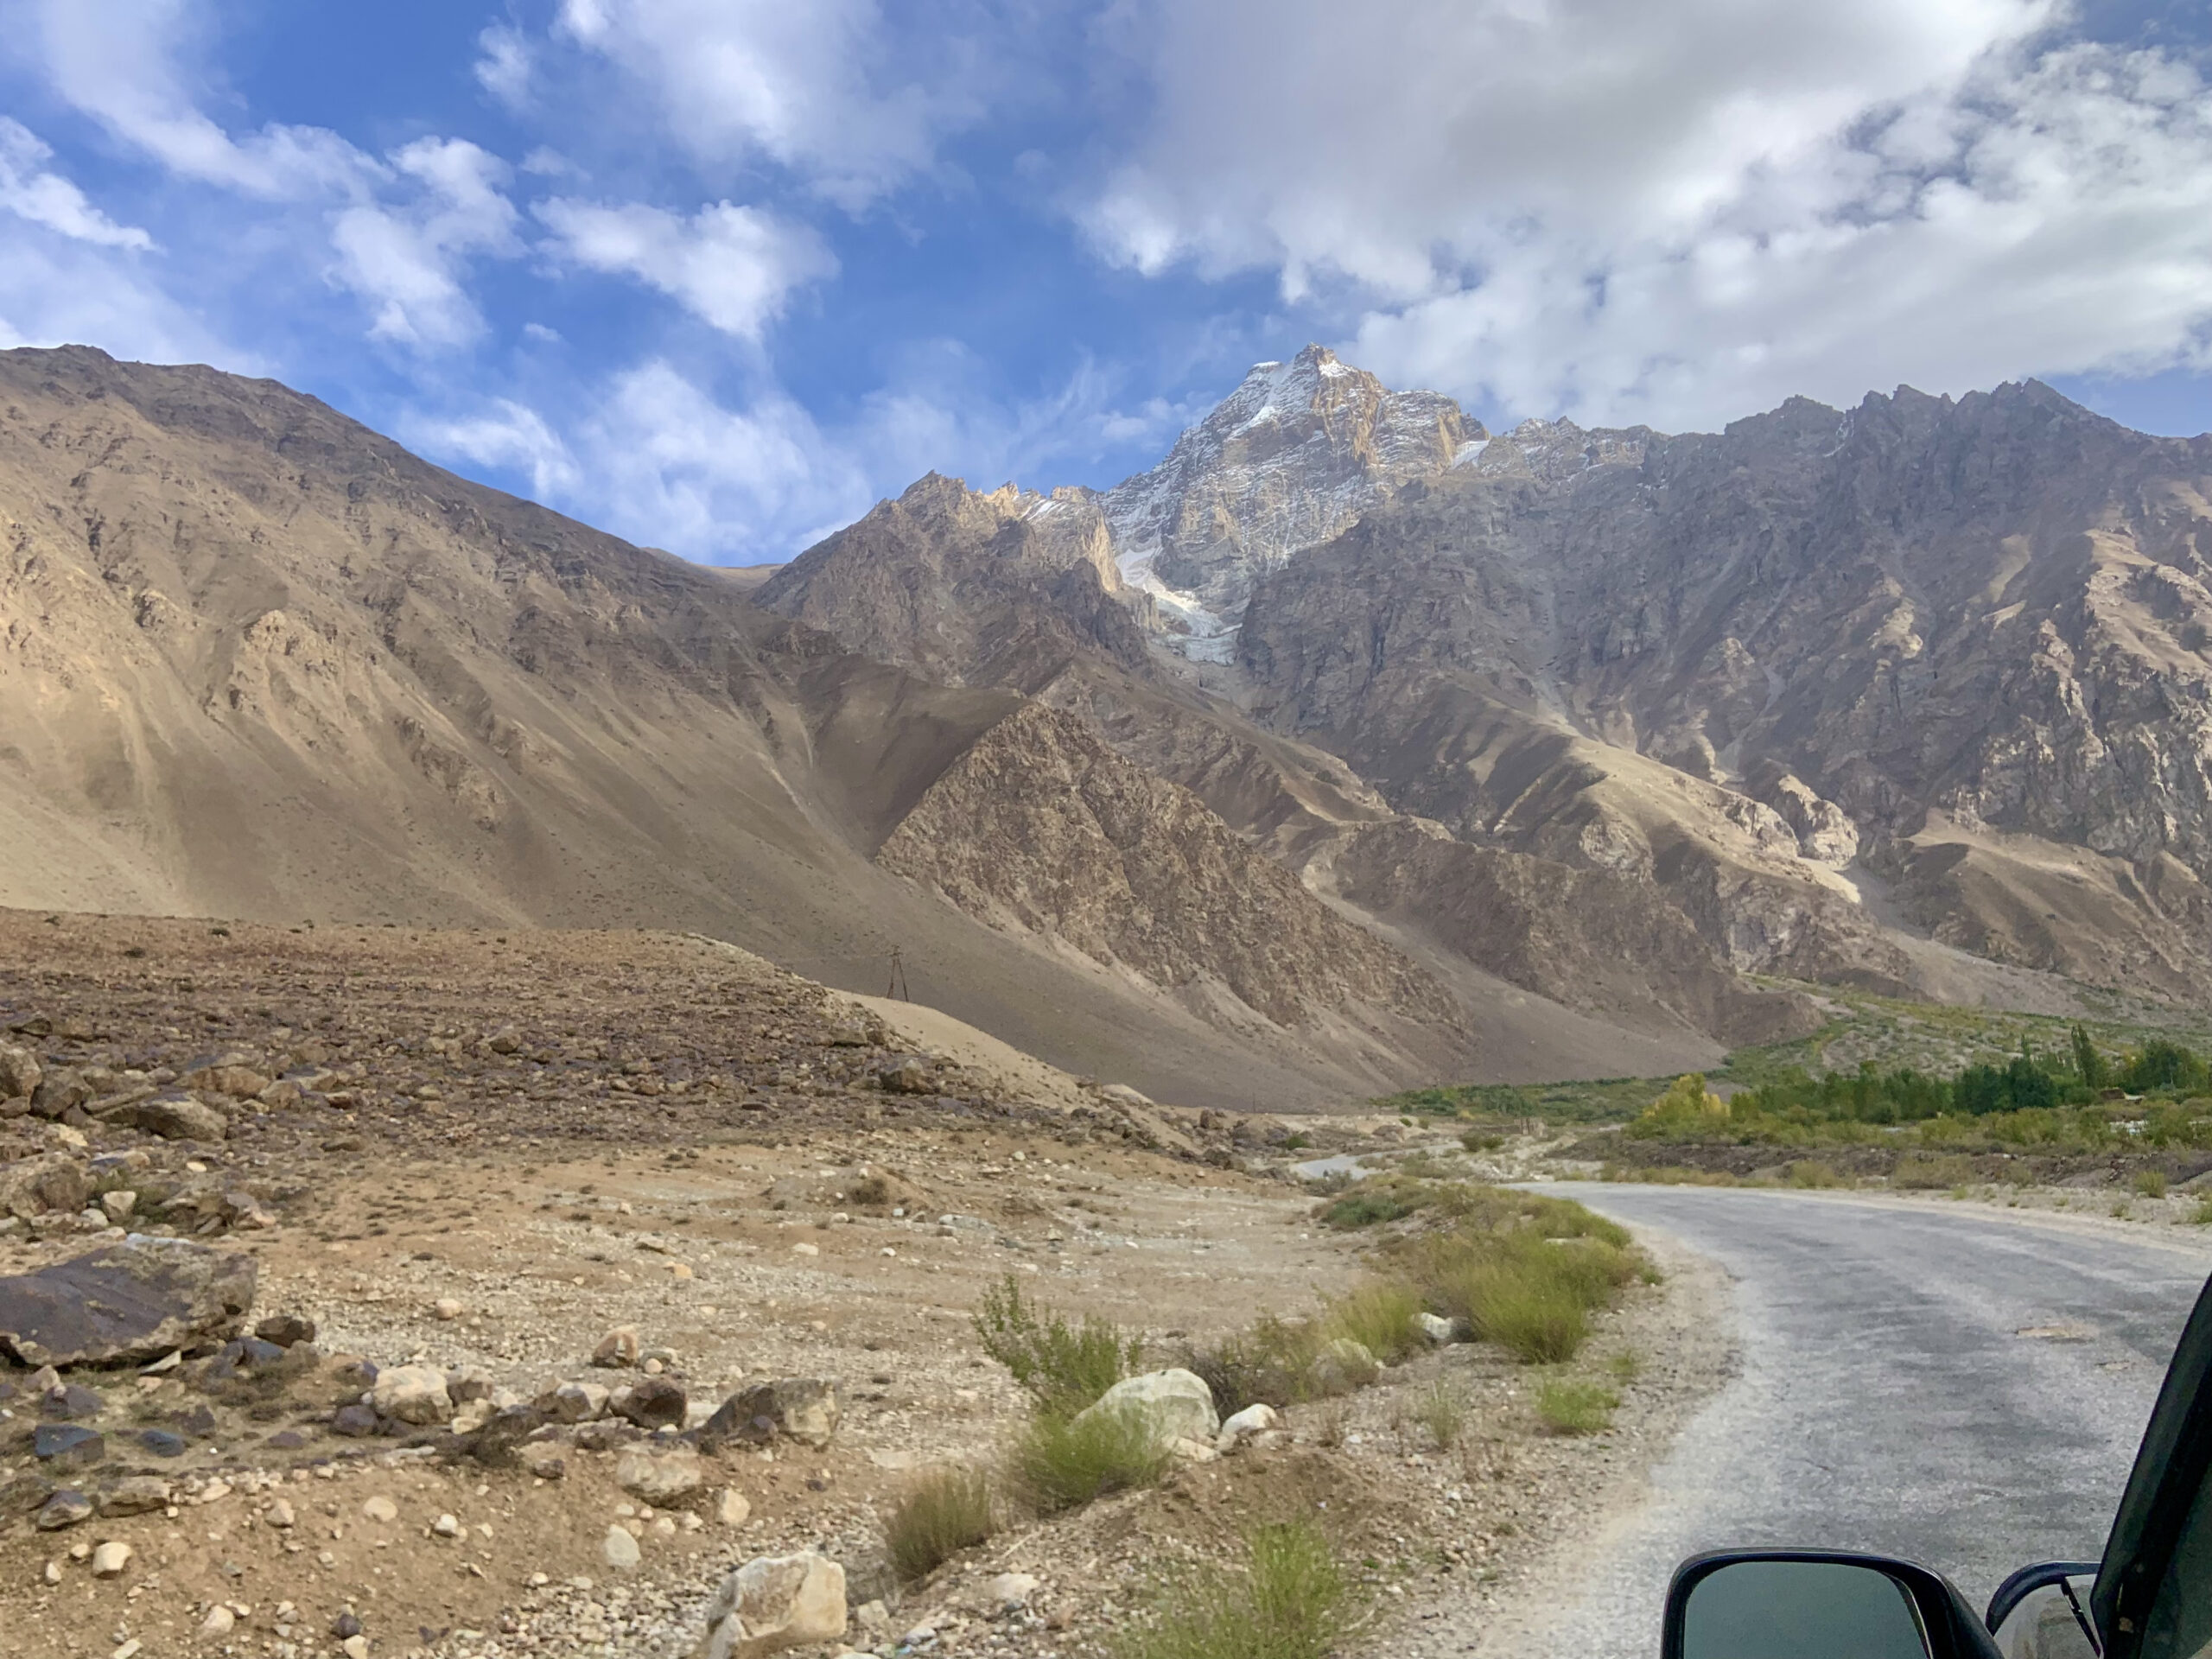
{"x":257,"y":662}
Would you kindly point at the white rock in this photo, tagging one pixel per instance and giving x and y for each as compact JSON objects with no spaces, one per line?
{"x":805,"y":1249}
{"x":774,"y":1602}
{"x":446,"y":1307}
{"x":1011,"y":1590}
{"x":446,"y":1526}
{"x":355,"y":1647}
{"x":1184,"y":1449}
{"x":110,"y":1557}
{"x":734,"y":1509}
{"x":660,"y":1478}
{"x":1436,"y":1330}
{"x":1253,"y":1420}
{"x":220,"y":1621}
{"x":413,"y":1394}
{"x":1174,"y":1404}
{"x":620,"y":1550}
{"x":381,"y":1510}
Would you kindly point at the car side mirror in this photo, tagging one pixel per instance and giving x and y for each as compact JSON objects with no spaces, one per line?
{"x":1815,"y":1603}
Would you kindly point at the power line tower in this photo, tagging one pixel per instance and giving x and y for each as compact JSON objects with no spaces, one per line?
{"x":897,"y":987}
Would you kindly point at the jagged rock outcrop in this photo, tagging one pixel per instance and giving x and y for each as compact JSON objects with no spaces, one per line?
{"x":1590,"y":938}
{"x":1041,"y":826}
{"x":970,"y":589}
{"x":1990,"y":615}
{"x":1291,"y":457}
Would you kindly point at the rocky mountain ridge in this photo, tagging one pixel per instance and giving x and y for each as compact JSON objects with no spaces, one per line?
{"x":1913,"y":696}
{"x":258,"y":663}
{"x":1290,"y":458}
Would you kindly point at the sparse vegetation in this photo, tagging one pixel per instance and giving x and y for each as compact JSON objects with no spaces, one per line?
{"x":1063,"y":1365}
{"x":944,"y":1512}
{"x":1062,"y":1462}
{"x":1271,"y":1363}
{"x":1382,"y":1316}
{"x":1441,"y":1408}
{"x":1576,"y":1405}
{"x":2150,"y":1183}
{"x":1287,"y":1598}
{"x":1812,"y":1173}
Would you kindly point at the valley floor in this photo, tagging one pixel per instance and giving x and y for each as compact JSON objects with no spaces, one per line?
{"x":500,"y":1149}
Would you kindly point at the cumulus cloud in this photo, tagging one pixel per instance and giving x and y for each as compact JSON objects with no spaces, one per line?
{"x":1679,"y":213}
{"x":505,"y":435}
{"x":733,"y":267}
{"x":31,"y":190}
{"x":407,"y":259}
{"x":829,"y":88}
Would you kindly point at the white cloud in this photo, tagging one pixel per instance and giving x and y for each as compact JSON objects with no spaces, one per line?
{"x":121,"y":62}
{"x":506,"y":68}
{"x":57,"y":290}
{"x":827,"y":88}
{"x":1680,"y":214}
{"x":733,"y":267}
{"x":507,"y":436}
{"x":407,"y":260}
{"x":31,"y":190}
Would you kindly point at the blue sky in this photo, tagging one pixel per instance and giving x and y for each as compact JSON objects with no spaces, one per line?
{"x":715,"y":274}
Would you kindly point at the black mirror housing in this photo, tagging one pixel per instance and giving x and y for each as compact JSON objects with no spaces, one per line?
{"x":1948,"y":1626}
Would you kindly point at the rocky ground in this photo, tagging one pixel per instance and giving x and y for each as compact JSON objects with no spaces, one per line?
{"x":474,"y":1163}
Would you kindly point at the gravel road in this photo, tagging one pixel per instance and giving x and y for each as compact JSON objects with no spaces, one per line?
{"x":1957,"y":1387}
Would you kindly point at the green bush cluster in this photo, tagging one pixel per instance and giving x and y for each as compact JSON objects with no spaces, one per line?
{"x":2055,"y":1102}
{"x":1287,"y":1598}
{"x":942,"y":1513}
{"x":1060,"y":1365}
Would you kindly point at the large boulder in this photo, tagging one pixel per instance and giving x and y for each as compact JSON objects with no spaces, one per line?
{"x":660,"y":1478}
{"x":1173,"y":1405}
{"x":412,"y":1393}
{"x":124,"y":1304}
{"x":805,"y":1409}
{"x":31,"y":1186}
{"x":19,"y":1072}
{"x":774,"y":1602}
{"x":179,"y":1117}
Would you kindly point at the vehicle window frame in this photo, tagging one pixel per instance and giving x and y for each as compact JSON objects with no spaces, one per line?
{"x":2163,"y":1492}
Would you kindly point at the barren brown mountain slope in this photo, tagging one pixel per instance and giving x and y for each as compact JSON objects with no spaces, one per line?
{"x":259,"y":662}
{"x":1963,"y":643}
{"x":914,"y":582}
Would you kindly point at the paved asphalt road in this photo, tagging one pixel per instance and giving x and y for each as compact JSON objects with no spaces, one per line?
{"x":1888,"y":1400}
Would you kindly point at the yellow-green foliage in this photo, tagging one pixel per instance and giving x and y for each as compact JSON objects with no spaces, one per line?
{"x":1064,"y":1366}
{"x":1062,"y":1462}
{"x":1687,"y":1106}
{"x":1575,"y":1405}
{"x":944,"y":1512}
{"x":1382,"y":1316}
{"x":1286,"y":1599}
{"x":2150,"y":1183}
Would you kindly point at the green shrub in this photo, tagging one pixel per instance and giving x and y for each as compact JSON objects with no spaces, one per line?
{"x":1382,"y":1316}
{"x":1576,"y":1405}
{"x":1366,"y":1205}
{"x":1061,"y":1462}
{"x":2150,"y":1183}
{"x":1810,"y":1171}
{"x":944,"y":1512}
{"x":1286,"y":1599}
{"x":2203,"y":1217}
{"x":1271,"y":1363}
{"x":1441,"y":1408}
{"x":1062,"y":1366}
